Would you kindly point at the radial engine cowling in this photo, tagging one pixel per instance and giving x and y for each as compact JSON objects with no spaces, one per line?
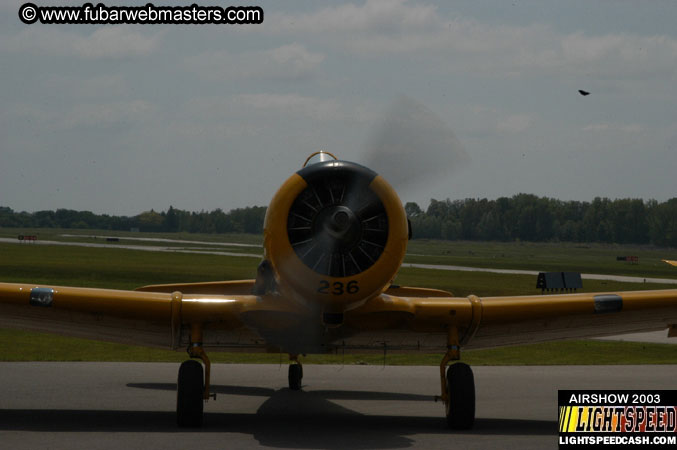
{"x":336,"y":234}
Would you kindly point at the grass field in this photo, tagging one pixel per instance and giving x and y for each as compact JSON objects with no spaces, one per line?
{"x":126,"y":269}
{"x":25,"y":346}
{"x":574,"y":257}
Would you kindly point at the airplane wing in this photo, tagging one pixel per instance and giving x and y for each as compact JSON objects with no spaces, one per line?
{"x":154,"y":319}
{"x":401,"y":319}
{"x":499,"y":321}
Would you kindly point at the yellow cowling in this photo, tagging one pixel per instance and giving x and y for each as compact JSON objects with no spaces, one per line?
{"x":325,"y":289}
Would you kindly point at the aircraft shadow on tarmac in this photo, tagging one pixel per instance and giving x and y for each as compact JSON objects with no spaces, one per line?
{"x":286,"y":419}
{"x":268,"y":392}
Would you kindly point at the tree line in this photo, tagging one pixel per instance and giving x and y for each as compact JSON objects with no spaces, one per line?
{"x":241,"y":220}
{"x":527,"y":217}
{"x":524,"y":217}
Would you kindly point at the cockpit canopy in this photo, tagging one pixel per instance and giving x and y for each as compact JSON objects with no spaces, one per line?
{"x":319,"y":157}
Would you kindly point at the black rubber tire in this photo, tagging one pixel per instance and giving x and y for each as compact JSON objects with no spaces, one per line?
{"x":189,"y":391}
{"x":295,"y":376}
{"x":461,"y":405}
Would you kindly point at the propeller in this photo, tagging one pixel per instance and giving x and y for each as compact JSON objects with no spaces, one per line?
{"x":412,"y":144}
{"x":337,"y":225}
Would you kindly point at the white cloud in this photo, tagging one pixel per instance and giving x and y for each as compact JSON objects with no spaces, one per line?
{"x":312,"y":107}
{"x":515,"y":123}
{"x":105,"y":114}
{"x":483,"y":120}
{"x":296,"y":58}
{"x":119,"y":41}
{"x":619,"y":54}
{"x":116,"y":42}
{"x":292,"y":62}
{"x":101,"y":114}
{"x":605,"y":126}
{"x":378,"y":28}
{"x":373,"y":16}
{"x":103,"y":86}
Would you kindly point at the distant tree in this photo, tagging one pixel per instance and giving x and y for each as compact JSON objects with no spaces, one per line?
{"x":426,"y":227}
{"x":629,"y":221}
{"x":171,"y":220}
{"x":45,"y":219}
{"x":412,"y":209}
{"x":489,"y":227}
{"x":150,"y":221}
{"x":439,"y":209}
{"x":451,"y":230}
{"x":663,"y":223}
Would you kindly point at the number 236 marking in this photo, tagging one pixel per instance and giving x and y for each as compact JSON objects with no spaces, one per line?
{"x":338,"y":288}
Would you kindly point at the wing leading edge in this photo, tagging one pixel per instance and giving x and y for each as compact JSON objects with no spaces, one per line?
{"x":155,"y":319}
{"x":498,"y":321}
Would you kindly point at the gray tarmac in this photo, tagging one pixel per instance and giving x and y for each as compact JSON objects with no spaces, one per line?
{"x":60,"y":405}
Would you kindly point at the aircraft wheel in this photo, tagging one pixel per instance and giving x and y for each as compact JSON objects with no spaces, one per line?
{"x":190,"y":388}
{"x":295,"y":376}
{"x":461,"y":389}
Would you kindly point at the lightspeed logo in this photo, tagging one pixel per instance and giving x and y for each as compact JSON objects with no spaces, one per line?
{"x":625,"y":418}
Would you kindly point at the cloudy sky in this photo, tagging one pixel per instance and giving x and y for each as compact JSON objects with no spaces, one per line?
{"x":120,"y":119}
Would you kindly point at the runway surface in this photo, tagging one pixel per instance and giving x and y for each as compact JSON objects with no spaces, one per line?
{"x":131,"y":406}
{"x":654,"y":337}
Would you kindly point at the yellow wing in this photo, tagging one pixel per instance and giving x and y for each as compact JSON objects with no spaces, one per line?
{"x":400,"y":319}
{"x":499,"y":321}
{"x":671,"y":262}
{"x":157,"y":319}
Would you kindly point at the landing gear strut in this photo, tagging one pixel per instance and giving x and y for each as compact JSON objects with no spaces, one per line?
{"x":295,"y":373}
{"x":193,"y":383}
{"x":458,"y":386}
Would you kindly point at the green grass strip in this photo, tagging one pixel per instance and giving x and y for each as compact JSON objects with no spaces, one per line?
{"x":18,"y":345}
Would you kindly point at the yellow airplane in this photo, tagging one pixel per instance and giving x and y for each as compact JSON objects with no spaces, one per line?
{"x":335,"y":235}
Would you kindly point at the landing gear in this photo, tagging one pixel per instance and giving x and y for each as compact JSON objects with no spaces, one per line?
{"x":193,"y":384}
{"x":460,"y":407}
{"x":189,"y":401}
{"x":295,"y":373}
{"x":458,"y":386}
